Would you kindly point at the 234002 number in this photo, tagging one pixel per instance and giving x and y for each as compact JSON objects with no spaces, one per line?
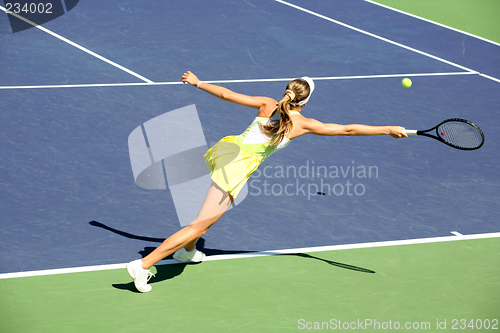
{"x":33,"y":8}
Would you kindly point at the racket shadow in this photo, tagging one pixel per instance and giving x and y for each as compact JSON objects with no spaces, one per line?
{"x":333,"y":263}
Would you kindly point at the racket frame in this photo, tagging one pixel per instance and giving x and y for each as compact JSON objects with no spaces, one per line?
{"x":438,"y":137}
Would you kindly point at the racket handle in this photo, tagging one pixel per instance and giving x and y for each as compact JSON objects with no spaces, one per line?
{"x":411,"y":132}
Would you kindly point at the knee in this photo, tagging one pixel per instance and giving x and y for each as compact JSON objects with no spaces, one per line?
{"x":197,"y":230}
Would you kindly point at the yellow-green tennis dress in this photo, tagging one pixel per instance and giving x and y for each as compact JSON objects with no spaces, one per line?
{"x":232,"y":160}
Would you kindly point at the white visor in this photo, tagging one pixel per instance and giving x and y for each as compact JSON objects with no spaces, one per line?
{"x":311,"y":89}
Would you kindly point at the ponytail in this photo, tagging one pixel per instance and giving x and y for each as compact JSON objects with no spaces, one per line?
{"x":297,"y":90}
{"x":278,"y":129}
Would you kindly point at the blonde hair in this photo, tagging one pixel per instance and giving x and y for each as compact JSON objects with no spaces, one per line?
{"x":297,"y":90}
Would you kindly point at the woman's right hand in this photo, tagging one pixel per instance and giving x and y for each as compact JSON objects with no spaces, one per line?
{"x":397,"y":132}
{"x":190,"y":78}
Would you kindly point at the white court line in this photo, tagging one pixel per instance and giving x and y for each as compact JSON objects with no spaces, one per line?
{"x":489,"y":77}
{"x":89,"y":85}
{"x":260,"y":254}
{"x":433,"y":22}
{"x":234,"y":81}
{"x":377,"y":36}
{"x":456,"y":233}
{"x":78,"y":46}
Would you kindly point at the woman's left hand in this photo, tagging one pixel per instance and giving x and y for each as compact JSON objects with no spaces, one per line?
{"x":190,"y":78}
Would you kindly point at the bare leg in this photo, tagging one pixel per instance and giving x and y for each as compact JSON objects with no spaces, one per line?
{"x":215,"y":205}
{"x":191,"y":245}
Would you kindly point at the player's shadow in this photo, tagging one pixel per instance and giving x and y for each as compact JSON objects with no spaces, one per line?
{"x":200,"y":245}
{"x":163,"y":272}
{"x":169,"y":271}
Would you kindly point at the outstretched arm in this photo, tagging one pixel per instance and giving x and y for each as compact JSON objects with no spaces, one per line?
{"x":313,"y":126}
{"x":261,"y":103}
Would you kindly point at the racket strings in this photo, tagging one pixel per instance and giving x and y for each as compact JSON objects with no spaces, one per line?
{"x":460,"y":134}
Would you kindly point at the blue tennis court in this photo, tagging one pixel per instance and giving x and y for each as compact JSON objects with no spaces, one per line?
{"x":68,"y":193}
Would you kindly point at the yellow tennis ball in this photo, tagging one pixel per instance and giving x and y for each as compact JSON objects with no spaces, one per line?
{"x":406,"y":83}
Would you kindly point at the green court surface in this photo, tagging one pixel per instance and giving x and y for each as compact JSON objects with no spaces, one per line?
{"x":477,"y":17}
{"x":417,"y":285}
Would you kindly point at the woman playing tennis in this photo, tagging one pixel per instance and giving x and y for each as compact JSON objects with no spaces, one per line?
{"x":233,"y":159}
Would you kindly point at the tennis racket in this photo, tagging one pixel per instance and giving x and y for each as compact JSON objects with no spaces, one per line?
{"x":457,"y":133}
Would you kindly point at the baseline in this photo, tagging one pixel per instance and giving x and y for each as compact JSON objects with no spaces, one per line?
{"x":260,"y":254}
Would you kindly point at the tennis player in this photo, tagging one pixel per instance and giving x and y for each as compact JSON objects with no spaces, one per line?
{"x":233,"y":159}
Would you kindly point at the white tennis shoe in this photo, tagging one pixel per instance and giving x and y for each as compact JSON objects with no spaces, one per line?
{"x":193,"y":256}
{"x":140,"y":275}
